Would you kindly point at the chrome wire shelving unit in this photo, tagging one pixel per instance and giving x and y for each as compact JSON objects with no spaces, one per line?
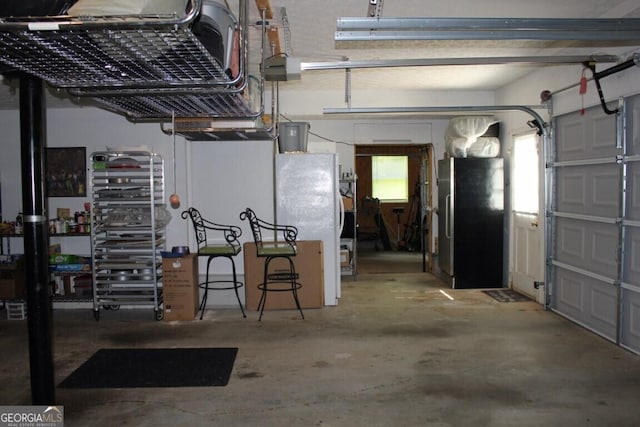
{"x":147,"y":68}
{"x":128,"y":221}
{"x":348,"y":243}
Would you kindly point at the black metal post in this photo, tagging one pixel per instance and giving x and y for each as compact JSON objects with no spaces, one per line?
{"x":34,"y":203}
{"x":615,"y":69}
{"x":604,"y":73}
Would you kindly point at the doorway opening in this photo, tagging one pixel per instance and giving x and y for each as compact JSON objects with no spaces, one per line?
{"x":393,"y":192}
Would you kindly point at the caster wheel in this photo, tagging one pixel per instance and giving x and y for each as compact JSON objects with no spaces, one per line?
{"x":159,"y":314}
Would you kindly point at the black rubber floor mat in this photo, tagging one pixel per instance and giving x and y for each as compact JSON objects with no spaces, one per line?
{"x":507,"y":295}
{"x":161,"y":367}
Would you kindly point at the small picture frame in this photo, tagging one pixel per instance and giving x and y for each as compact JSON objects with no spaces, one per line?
{"x":66,"y":172}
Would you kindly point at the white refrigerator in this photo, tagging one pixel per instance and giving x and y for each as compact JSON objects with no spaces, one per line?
{"x":307,"y":196}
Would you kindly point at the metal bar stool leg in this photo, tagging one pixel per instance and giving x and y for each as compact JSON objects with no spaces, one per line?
{"x":294,"y":285}
{"x":203,"y":302}
{"x":235,"y":285}
{"x":265,"y":280}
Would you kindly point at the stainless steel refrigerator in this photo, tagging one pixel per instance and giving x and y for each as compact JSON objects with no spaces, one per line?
{"x":307,"y":196}
{"x":470,"y":221}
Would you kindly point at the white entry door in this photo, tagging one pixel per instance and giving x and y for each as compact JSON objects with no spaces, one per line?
{"x":527,"y":256}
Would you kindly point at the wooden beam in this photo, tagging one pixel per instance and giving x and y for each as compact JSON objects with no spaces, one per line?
{"x":266,"y":6}
{"x":274,"y":40}
{"x":272,"y":32}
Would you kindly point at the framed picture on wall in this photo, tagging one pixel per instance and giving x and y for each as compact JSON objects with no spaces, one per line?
{"x":66,"y":172}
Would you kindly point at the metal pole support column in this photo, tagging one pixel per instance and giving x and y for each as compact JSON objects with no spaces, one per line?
{"x":34,"y":203}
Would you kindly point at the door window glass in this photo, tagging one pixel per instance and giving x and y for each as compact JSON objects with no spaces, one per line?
{"x":525,"y":174}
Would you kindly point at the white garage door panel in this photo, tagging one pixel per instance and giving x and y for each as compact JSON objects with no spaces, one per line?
{"x":603,"y":128}
{"x":632,"y":107}
{"x":587,"y":301}
{"x":630,"y":316}
{"x":589,"y":189}
{"x":569,"y":295}
{"x":631,"y":319}
{"x":587,"y":245}
{"x":594,"y":251}
{"x":632,"y":257}
{"x":633,"y":191}
{"x":631,"y":273}
{"x":587,"y":201}
{"x":603,"y":306}
{"x":588,"y":136}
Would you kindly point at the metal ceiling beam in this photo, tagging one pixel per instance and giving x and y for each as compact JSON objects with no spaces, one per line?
{"x":450,"y":109}
{"x":442,"y":110}
{"x":381,"y":29}
{"x":434,"y":62}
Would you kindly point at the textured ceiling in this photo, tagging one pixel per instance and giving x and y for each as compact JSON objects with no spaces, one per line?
{"x":313,"y":24}
{"x":312,"y":27}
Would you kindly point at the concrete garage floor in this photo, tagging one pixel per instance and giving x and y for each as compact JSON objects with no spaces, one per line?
{"x":395,"y":352}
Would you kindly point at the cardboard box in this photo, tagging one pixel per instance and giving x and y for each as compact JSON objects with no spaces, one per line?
{"x":180,"y":288}
{"x":82,"y":286}
{"x":12,"y":284}
{"x":63,"y":258}
{"x":309,"y":263}
{"x":348,"y":203}
{"x":63,"y":213}
{"x":345,"y":259}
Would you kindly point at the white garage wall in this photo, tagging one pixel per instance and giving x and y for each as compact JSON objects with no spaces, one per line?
{"x":311,"y":103}
{"x":209,"y":174}
{"x":526,"y":91}
{"x":225,"y":178}
{"x":218,"y":166}
{"x":92,"y":128}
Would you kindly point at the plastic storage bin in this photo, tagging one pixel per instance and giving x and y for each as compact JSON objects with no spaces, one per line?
{"x":293,"y":136}
{"x":16,"y":310}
